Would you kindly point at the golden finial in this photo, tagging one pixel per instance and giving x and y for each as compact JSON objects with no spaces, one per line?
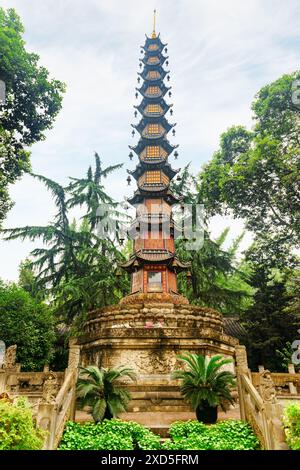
{"x":154,"y":21}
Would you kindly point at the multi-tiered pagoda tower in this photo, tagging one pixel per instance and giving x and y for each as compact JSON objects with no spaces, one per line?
{"x":153,"y":264}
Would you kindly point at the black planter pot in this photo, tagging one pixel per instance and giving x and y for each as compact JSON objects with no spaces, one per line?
{"x":107,"y":414}
{"x":207,"y":414}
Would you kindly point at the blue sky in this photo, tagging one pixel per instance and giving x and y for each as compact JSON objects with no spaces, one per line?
{"x":221,"y":53}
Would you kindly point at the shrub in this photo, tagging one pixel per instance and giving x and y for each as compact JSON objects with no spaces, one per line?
{"x":191,"y":435}
{"x":291,"y":422}
{"x":99,"y":389}
{"x":225,"y":435}
{"x":204,"y":385}
{"x":28,"y":323}
{"x":17,"y":429}
{"x":108,"y":435}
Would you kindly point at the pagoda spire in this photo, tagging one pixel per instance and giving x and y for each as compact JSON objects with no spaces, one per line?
{"x":154,"y":25}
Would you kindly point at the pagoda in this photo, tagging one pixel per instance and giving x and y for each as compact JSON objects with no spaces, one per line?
{"x":153,"y":265}
{"x":153,"y":324}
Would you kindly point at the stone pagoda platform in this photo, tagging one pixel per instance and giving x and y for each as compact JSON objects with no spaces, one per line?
{"x":147,"y":332}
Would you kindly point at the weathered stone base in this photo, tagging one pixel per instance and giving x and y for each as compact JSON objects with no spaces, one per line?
{"x":148,"y":337}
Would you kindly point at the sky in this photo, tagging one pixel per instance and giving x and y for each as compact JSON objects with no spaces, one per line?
{"x":220,"y":54}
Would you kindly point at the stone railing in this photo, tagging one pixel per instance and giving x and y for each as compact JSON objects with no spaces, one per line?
{"x":287,"y":384}
{"x":259,"y":405}
{"x":52,"y":416}
{"x":52,"y":395}
{"x":55,"y":409}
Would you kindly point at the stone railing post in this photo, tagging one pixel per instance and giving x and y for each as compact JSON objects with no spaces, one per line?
{"x":73,"y":364}
{"x":46,"y":419}
{"x":3,"y":377}
{"x":241,"y":369}
{"x":292,"y":387}
{"x":276,"y":435}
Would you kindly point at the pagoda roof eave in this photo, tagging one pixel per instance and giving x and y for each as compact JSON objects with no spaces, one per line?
{"x":162,"y":59}
{"x":156,"y":39}
{"x":160,"y":141}
{"x":139,"y":196}
{"x":141,"y":257}
{"x":140,"y":127}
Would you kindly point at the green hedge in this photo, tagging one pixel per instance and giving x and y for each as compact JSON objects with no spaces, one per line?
{"x":292,"y":425}
{"x":108,"y":435}
{"x":128,"y":435}
{"x":225,"y":435}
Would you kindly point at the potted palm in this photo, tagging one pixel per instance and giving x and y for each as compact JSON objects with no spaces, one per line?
{"x":204,"y":385}
{"x":99,"y":389}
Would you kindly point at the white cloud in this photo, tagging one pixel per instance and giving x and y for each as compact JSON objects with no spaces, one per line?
{"x":221,"y":53}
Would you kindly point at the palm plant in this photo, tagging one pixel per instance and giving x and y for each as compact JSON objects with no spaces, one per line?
{"x":75,"y":267}
{"x":90,"y":192}
{"x":204,"y":386}
{"x":99,"y":389}
{"x":58,"y":258}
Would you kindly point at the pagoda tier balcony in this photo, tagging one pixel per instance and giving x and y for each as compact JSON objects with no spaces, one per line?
{"x":147,"y":223}
{"x":153,"y":135}
{"x":153,"y":187}
{"x":161,"y":142}
{"x":144,"y":256}
{"x":158,"y":109}
{"x":141,"y":195}
{"x":153,"y":125}
{"x":156,"y":59}
{"x":153,"y":92}
{"x":151,"y":73}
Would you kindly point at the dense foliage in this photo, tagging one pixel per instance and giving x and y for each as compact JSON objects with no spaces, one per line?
{"x":32,"y":102}
{"x":218,"y":279}
{"x":100,"y":389}
{"x":255,"y":174}
{"x":225,"y":435}
{"x":108,"y":435}
{"x":17,"y":429}
{"x":28,"y":323}
{"x":292,"y":425}
{"x":273,"y":321}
